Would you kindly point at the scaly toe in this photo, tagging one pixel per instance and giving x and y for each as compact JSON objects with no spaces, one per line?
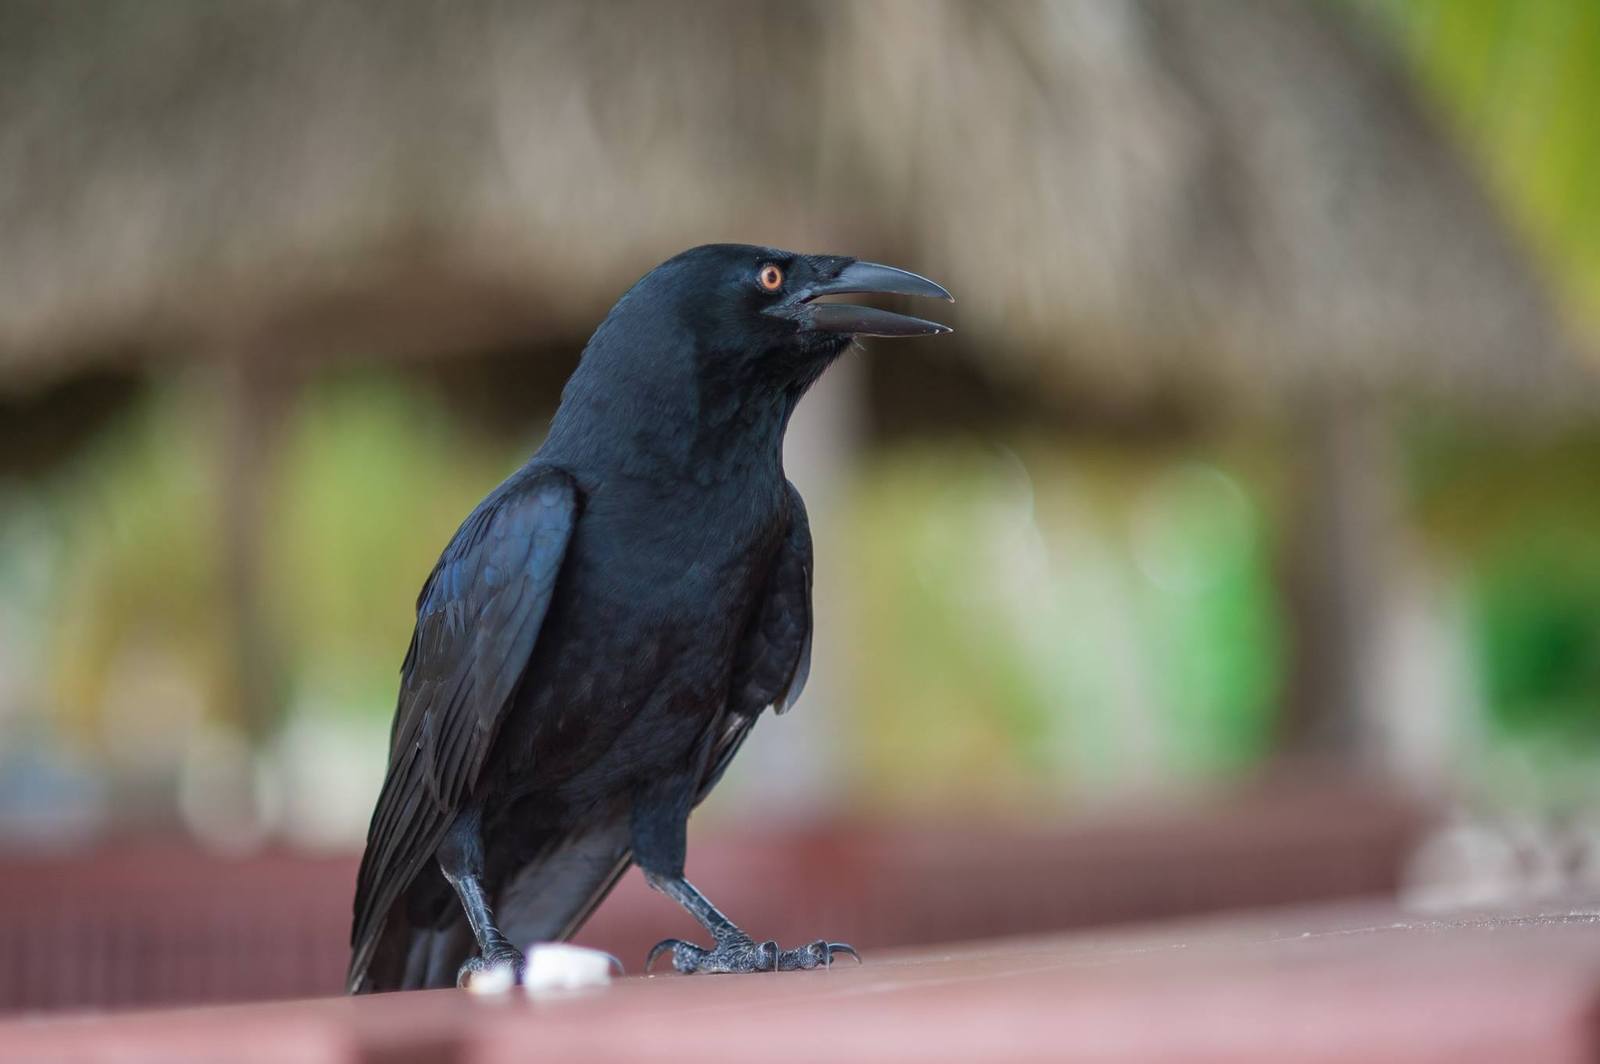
{"x":739,"y":955}
{"x":818,"y":954}
{"x":480,"y":965}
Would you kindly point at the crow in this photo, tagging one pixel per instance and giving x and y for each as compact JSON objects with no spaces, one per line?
{"x":604,"y":629}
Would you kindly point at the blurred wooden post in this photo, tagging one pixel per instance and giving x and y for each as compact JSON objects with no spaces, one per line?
{"x":1338,"y":556}
{"x":254,"y":400}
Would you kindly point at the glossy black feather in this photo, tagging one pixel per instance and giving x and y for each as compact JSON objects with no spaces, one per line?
{"x":478,"y":617}
{"x":775,"y":655}
{"x":603,"y":632}
{"x":769,"y":671}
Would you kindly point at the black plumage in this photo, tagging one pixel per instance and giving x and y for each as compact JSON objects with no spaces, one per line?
{"x":603,"y":630}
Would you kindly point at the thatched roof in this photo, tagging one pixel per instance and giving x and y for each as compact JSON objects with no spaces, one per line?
{"x":1238,"y":195}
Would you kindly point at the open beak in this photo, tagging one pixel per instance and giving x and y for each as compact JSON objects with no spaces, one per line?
{"x":870,"y":278}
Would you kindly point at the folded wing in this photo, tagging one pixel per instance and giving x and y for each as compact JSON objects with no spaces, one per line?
{"x":478,"y":619}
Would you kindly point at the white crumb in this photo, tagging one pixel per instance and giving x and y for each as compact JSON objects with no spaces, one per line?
{"x":557,"y":966}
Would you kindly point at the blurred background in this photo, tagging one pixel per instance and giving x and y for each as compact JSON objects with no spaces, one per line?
{"x":1241,"y":546}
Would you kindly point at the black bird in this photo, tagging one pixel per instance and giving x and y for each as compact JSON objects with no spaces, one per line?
{"x":600,"y":635}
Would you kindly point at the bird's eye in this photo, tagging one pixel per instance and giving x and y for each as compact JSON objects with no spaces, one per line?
{"x":771,"y":277}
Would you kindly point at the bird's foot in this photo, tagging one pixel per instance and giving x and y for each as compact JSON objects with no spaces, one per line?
{"x":739,"y":953}
{"x":493,"y":966}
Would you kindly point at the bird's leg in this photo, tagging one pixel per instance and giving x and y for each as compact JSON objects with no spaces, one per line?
{"x":461,"y":859}
{"x":493,"y":947}
{"x":734,"y":950}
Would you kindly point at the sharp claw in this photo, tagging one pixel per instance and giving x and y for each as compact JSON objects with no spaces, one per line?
{"x":478,"y":965}
{"x":656,"y":951}
{"x":742,"y":955}
{"x":617,"y":964}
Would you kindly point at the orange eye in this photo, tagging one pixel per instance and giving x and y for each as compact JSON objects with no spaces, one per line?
{"x":771,"y":277}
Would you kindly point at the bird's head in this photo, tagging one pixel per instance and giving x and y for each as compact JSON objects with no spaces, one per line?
{"x":754,"y":314}
{"x":723,"y":340}
{"x":752,"y":290}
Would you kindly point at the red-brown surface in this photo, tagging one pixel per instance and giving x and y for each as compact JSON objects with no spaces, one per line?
{"x":1359,"y":983}
{"x":164,"y":924}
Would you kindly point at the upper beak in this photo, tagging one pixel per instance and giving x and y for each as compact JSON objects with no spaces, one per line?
{"x":865,"y":277}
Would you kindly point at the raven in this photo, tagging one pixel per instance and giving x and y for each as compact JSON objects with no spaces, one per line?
{"x":603,"y":630}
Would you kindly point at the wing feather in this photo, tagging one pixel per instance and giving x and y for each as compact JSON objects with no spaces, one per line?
{"x":478,"y":618}
{"x":775,"y":657}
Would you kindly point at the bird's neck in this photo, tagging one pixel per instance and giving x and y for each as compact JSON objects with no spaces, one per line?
{"x":668,"y":423}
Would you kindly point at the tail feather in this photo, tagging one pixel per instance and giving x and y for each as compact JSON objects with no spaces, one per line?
{"x":551,"y":897}
{"x":547,"y":900}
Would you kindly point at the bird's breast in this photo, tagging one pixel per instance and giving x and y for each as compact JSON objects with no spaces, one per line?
{"x":635,"y":655}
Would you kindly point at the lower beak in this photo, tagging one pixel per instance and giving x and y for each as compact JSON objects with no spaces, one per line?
{"x":867,"y":278}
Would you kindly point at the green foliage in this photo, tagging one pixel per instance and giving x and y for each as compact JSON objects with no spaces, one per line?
{"x":1539,"y":619}
{"x":1057,"y":624}
{"x":1473,"y":489}
{"x":371,"y":484}
{"x":1519,"y":80}
{"x":1522,"y":518}
{"x":136,"y":580}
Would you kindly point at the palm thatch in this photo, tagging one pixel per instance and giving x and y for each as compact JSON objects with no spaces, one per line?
{"x":1236,"y":198}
